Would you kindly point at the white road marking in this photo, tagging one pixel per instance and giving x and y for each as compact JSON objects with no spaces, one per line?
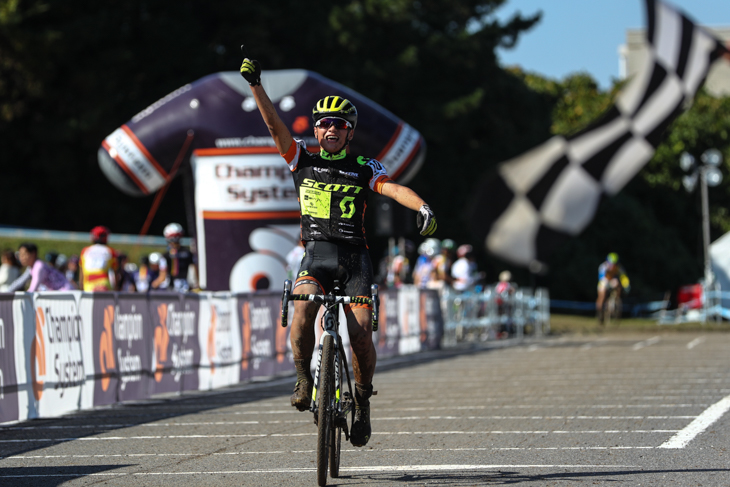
{"x":551,"y":406}
{"x":155,"y":425}
{"x":368,"y":469}
{"x":442,"y":468}
{"x":589,"y":345}
{"x":314,"y":433}
{"x":309,"y":421}
{"x":695,"y":342}
{"x":700,"y":424}
{"x":344,"y":450}
{"x":646,"y":343}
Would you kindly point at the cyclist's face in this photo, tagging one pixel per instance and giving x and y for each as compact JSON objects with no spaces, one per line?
{"x":331,"y":138}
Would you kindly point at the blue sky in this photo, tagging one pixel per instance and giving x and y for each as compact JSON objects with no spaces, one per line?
{"x":584,"y":35}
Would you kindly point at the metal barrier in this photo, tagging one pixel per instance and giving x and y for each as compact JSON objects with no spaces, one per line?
{"x":483,"y":315}
{"x":709,"y":309}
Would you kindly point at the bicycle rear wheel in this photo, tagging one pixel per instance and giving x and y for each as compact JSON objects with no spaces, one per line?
{"x":325,"y":426}
{"x":335,"y":446}
{"x":616,"y":312}
{"x":610,"y":312}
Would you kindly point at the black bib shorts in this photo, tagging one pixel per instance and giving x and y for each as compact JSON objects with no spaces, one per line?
{"x":325,"y":262}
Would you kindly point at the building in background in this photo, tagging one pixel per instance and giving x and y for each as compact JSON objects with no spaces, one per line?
{"x":632,"y":56}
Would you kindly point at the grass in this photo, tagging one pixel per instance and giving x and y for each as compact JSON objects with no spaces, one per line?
{"x":588,"y":325}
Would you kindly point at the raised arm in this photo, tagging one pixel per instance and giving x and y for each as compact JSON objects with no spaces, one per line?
{"x":251,"y":71}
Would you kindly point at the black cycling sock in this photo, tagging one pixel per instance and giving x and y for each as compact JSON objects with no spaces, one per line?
{"x":362,"y":394}
{"x":304,"y":374}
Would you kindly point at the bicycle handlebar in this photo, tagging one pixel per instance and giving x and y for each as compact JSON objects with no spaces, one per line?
{"x":329,"y":299}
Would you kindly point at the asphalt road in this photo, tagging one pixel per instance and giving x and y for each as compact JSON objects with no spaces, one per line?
{"x":622,"y":409}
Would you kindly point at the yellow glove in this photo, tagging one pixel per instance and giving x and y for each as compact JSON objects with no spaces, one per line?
{"x":251,"y":71}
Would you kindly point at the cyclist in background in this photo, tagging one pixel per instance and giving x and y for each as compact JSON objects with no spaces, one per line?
{"x":99,"y":263}
{"x":332,"y":187}
{"x":179,"y":260}
{"x":611,"y":275}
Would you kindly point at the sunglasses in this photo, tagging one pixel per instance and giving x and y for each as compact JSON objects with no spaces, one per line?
{"x":338,"y":123}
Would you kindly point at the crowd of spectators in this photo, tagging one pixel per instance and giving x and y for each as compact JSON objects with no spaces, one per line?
{"x":100,"y":267}
{"x":440,"y":265}
{"x":435,"y":264}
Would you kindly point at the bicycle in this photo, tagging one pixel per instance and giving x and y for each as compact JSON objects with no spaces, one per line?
{"x":612,"y":307}
{"x":330,"y":405}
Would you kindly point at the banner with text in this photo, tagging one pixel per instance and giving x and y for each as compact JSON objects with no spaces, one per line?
{"x":65,"y":351}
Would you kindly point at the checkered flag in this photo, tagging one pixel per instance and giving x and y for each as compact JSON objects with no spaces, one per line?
{"x":548,"y":194}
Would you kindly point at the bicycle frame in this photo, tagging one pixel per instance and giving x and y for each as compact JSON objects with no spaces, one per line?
{"x":331,"y":302}
{"x":331,"y":327}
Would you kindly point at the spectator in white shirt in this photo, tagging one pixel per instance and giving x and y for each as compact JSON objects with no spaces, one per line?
{"x":464,"y":270}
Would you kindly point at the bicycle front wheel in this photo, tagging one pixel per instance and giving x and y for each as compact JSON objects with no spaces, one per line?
{"x":325,"y":419}
{"x":336,"y":429}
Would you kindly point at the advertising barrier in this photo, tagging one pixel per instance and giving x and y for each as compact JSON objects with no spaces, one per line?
{"x":66,"y":351}
{"x":8,"y":375}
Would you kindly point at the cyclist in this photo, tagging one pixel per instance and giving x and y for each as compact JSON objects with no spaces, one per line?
{"x":179,"y":260}
{"x":99,"y":263}
{"x":42,"y":275}
{"x":611,"y":275}
{"x":332,"y":187}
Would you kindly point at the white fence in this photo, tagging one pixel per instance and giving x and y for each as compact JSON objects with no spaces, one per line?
{"x":488,"y":315}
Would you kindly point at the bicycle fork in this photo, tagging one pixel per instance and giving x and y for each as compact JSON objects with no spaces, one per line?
{"x":330,"y":329}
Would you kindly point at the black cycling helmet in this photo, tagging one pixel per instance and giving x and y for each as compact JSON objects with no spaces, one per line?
{"x":335,"y":106}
